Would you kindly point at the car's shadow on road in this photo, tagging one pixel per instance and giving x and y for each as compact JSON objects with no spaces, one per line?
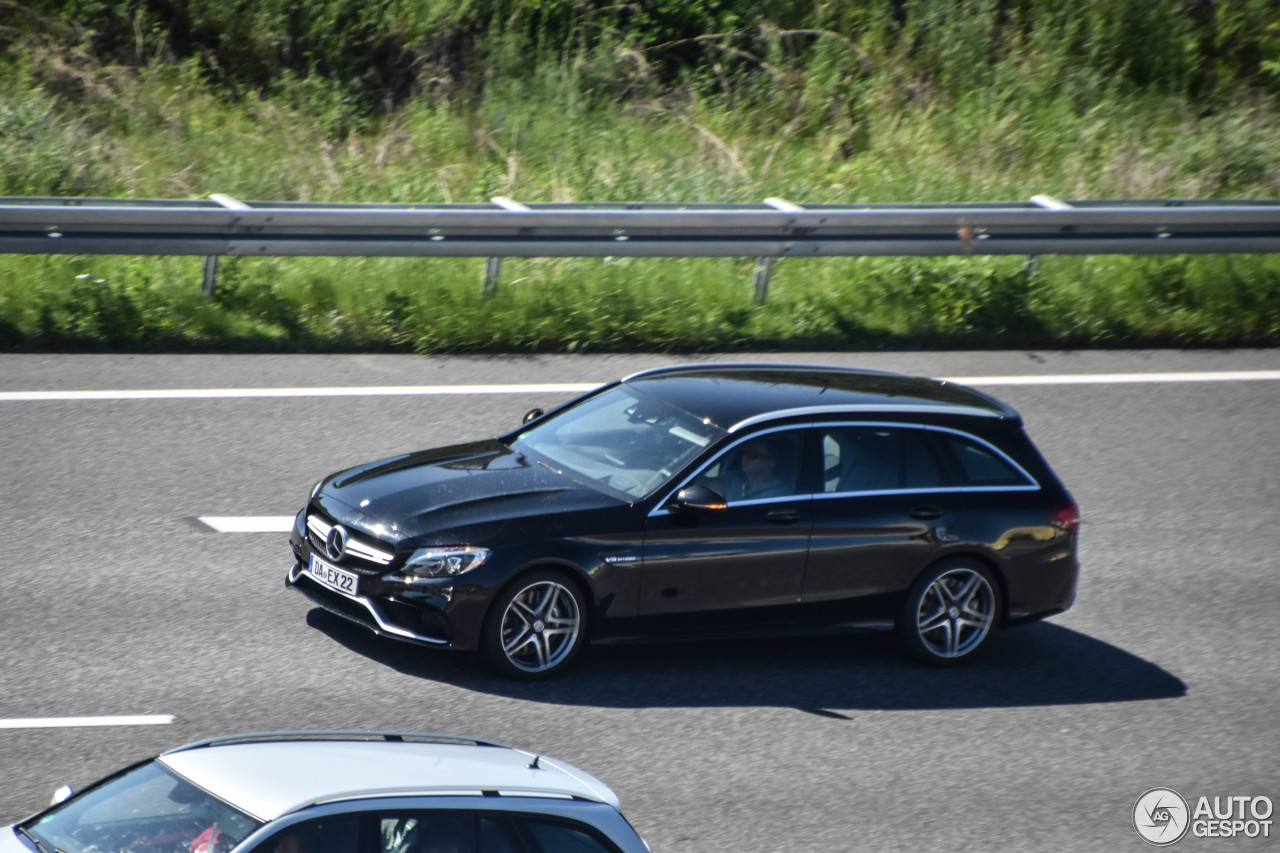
{"x":1041,"y":664}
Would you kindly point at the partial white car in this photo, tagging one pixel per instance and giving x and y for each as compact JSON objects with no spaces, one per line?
{"x":335,"y":792}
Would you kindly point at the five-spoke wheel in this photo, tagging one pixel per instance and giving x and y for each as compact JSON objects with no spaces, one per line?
{"x":950,"y":612}
{"x":536,"y":626}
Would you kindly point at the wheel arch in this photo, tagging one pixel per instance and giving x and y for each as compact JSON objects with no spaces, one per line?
{"x":569,"y":569}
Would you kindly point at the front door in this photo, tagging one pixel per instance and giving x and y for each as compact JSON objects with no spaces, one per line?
{"x":740,"y":566}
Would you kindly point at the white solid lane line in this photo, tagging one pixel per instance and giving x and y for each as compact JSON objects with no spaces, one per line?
{"x":1120,"y":378}
{"x":583,"y":387}
{"x":248,"y":523}
{"x":354,"y":391}
{"x":82,"y":722}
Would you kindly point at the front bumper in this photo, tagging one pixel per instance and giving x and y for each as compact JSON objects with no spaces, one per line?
{"x":387,"y":617}
{"x":440,"y":615}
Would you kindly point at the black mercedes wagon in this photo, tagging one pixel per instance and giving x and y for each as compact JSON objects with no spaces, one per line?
{"x":704,"y":501}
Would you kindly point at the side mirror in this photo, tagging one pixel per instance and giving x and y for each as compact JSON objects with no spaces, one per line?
{"x":61,"y":795}
{"x":532,"y":415}
{"x":700,"y":498}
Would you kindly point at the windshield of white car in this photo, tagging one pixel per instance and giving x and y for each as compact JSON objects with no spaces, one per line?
{"x":626,"y":440}
{"x":146,"y":808}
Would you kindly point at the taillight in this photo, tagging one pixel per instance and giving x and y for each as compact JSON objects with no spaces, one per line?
{"x":1066,"y":518}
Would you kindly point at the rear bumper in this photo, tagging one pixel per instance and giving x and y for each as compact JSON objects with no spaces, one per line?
{"x":1044,"y":588}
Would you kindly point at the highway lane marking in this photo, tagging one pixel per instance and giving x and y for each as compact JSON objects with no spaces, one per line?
{"x":583,"y":387}
{"x":85,"y":722}
{"x":247,"y":523}
{"x":1121,"y":378}
{"x":355,"y":391}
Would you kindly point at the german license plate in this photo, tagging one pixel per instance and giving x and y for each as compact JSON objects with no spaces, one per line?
{"x":336,"y":579}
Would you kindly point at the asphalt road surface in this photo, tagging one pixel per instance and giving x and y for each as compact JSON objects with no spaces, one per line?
{"x":116,"y":601}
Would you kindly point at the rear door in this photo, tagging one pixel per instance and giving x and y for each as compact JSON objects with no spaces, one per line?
{"x":876,"y":518}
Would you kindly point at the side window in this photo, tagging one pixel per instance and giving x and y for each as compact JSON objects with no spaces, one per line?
{"x":326,"y":835}
{"x":766,"y":466}
{"x":861,"y":459}
{"x":877,"y":458}
{"x":427,"y":832}
{"x":920,"y":468}
{"x":462,"y":832}
{"x":554,"y":836}
{"x":979,"y":466}
{"x":495,"y":838}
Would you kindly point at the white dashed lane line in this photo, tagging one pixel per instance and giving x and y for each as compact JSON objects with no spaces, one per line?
{"x":86,"y":722}
{"x":247,"y":523}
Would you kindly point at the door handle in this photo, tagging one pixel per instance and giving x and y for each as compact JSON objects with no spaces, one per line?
{"x":926,"y":513}
{"x":783,"y":516}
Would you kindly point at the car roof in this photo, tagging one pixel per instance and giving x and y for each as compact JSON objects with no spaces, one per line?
{"x":270,"y":774}
{"x":734,"y":395}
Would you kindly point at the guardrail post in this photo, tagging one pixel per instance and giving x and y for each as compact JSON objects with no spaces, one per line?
{"x":764,"y":266}
{"x":210,"y":285}
{"x":492,"y":267}
{"x":760,"y":278}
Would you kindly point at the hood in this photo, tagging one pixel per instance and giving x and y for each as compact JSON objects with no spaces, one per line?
{"x":420,"y":495}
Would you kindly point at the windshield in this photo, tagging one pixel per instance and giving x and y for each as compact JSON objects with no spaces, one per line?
{"x":148,"y":809}
{"x":626,"y":440}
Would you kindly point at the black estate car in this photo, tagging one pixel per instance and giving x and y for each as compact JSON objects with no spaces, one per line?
{"x":706,"y":500}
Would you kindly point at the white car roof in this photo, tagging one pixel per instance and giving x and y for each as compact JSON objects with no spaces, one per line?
{"x":272,"y":774}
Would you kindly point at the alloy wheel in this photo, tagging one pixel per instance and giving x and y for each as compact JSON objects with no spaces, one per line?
{"x":541,"y":626}
{"x":955,"y":613}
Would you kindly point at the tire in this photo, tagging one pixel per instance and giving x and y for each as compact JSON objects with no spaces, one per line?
{"x":536,"y":627}
{"x":950,"y":613}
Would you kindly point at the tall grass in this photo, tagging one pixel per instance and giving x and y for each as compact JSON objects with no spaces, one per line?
{"x":550,"y":101}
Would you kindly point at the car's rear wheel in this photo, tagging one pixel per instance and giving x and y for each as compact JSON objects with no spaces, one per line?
{"x":950,"y":613}
{"x":536,"y":626}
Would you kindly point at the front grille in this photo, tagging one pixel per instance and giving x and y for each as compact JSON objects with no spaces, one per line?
{"x":359,"y":550}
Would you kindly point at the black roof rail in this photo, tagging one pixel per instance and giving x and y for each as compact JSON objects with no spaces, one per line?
{"x":712,"y":366}
{"x":334,"y":734}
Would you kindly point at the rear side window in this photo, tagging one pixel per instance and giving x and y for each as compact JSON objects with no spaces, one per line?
{"x":978,"y":465}
{"x":553,"y":836}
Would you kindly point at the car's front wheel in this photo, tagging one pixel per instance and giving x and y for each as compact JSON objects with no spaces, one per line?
{"x":950,"y":612}
{"x":536,"y":626}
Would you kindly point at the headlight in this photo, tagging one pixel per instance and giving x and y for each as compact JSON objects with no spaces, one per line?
{"x":428,"y":563}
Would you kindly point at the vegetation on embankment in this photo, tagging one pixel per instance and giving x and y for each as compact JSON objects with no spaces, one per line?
{"x":660,"y":100}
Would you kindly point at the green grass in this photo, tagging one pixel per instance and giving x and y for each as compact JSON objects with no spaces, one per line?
{"x":953,"y":103}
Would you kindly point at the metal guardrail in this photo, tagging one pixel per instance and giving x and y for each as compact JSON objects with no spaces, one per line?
{"x":223,"y":226}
